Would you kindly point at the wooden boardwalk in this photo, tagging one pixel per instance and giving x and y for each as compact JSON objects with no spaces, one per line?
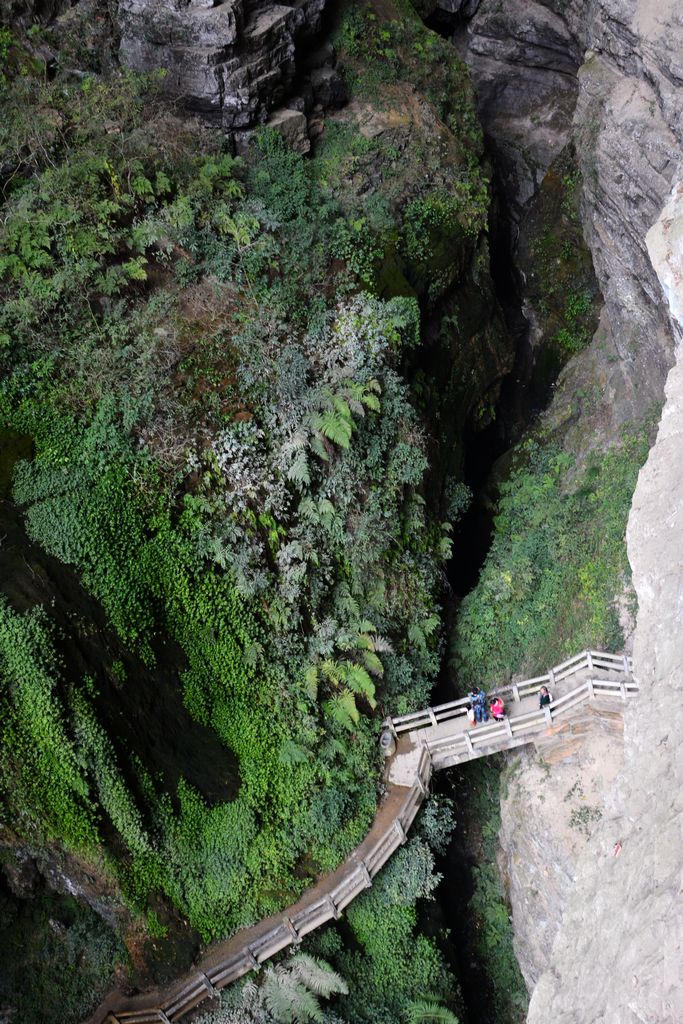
{"x":420,"y":743}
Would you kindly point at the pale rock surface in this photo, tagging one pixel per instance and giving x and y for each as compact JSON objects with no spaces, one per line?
{"x":554,"y":795}
{"x":618,"y":956}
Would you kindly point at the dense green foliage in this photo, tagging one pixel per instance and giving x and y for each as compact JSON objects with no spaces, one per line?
{"x":42,"y":779}
{"x":489,"y":937}
{"x":416,"y":192}
{"x":226,"y":453}
{"x":56,"y":956}
{"x":560,"y":282}
{"x":557,"y":563}
{"x":386,"y":960}
{"x":207,"y":353}
{"x":287,"y":993}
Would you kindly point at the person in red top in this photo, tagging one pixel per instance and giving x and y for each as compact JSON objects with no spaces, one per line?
{"x":497,"y":709}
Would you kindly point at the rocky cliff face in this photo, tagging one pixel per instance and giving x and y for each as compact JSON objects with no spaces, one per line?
{"x":554,"y":796}
{"x":605,"y":75}
{"x":233,"y":61}
{"x":597,"y":933}
{"x":617,"y":957}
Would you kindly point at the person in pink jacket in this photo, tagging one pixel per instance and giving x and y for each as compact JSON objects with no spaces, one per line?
{"x":497,"y":709}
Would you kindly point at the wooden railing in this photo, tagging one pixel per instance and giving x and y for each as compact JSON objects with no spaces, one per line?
{"x":206,"y":981}
{"x":513,"y":731}
{"x":514,"y":691}
{"x":328,"y":898}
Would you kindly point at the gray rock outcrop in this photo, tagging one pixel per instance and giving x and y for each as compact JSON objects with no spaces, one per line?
{"x":555,"y":795}
{"x":607,"y":75}
{"x":232,"y":61}
{"x":619,"y":952}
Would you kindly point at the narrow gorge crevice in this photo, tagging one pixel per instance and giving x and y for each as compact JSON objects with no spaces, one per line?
{"x":540,"y":265}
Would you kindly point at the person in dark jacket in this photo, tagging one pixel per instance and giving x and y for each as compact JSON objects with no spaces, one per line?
{"x":545,"y":697}
{"x":478,"y":699}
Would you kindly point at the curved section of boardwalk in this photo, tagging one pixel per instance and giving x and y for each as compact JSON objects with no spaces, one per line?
{"x":424,"y":741}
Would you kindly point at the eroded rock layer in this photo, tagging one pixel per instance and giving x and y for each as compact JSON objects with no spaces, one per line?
{"x":232,"y":61}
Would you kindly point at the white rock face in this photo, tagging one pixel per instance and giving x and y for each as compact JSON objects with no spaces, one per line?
{"x":555,"y":794}
{"x":618,"y":957}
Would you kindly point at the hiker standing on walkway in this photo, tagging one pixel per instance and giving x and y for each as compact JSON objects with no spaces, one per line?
{"x":478,"y":699}
{"x":545,"y":697}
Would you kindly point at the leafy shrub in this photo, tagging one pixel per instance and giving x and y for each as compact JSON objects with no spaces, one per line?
{"x":556,"y":565}
{"x":42,"y":778}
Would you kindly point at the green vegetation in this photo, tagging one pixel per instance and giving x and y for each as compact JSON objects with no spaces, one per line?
{"x":560,"y":280}
{"x":287,"y":993}
{"x":380,"y":950}
{"x":57,"y":955}
{"x":416,"y":193}
{"x":491,"y":933}
{"x":226,"y":453}
{"x":207,"y":354}
{"x":42,"y":779}
{"x":557,"y":563}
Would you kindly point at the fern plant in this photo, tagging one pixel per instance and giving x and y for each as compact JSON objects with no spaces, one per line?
{"x":318,"y":976}
{"x":334,"y":421}
{"x":429,"y":1012}
{"x":290,"y":991}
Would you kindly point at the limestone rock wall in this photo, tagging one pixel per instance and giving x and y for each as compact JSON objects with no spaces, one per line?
{"x":232,"y":61}
{"x":554,"y":796}
{"x":607,"y":75}
{"x":618,"y":956}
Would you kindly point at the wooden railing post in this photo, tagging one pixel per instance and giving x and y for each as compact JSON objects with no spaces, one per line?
{"x":515,"y":692}
{"x":626,"y":668}
{"x":333,"y":906}
{"x":208,"y":985}
{"x":551,"y":677}
{"x":548,"y":715}
{"x":589,"y":657}
{"x":591,"y":688}
{"x":468,"y":743}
